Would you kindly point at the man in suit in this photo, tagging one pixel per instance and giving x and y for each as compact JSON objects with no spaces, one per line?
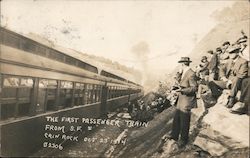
{"x":186,"y":101}
{"x":233,"y":72}
{"x":213,"y":65}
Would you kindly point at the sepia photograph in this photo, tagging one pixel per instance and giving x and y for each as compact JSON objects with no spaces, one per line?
{"x":124,"y":78}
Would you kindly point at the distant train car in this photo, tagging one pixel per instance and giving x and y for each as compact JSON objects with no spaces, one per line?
{"x":38,"y":80}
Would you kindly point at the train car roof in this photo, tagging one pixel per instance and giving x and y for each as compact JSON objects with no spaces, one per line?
{"x":73,"y":53}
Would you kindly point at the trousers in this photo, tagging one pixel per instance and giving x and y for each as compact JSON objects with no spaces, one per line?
{"x":217,"y":87}
{"x":181,"y":126}
{"x":245,"y":91}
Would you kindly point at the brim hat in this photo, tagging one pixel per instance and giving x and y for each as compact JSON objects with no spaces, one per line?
{"x":242,"y":40}
{"x":210,"y":52}
{"x":185,"y":60}
{"x":234,"y":49}
{"x":218,"y":49}
{"x":204,"y":58}
{"x":226,"y":43}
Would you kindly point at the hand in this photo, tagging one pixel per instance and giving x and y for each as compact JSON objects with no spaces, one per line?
{"x":229,"y":83}
{"x":224,"y":79}
{"x":178,"y":90}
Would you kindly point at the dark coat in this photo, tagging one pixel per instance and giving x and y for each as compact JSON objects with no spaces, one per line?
{"x":214,"y":63}
{"x":187,"y":97}
{"x":234,"y":71}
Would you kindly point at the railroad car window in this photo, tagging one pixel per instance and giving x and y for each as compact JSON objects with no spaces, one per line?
{"x":91,"y":68}
{"x":66,"y":93}
{"x":11,"y":82}
{"x":56,"y":55}
{"x":93,"y":93}
{"x":11,"y":40}
{"x":28,"y":46}
{"x":27,"y":82}
{"x":80,"y":86}
{"x":40,"y":50}
{"x":45,"y":83}
{"x":16,"y":98}
{"x":89,"y":93}
{"x":66,"y":84}
{"x":97,"y":93}
{"x":82,"y":64}
{"x":70,"y":60}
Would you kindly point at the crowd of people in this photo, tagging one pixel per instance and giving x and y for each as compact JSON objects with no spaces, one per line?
{"x":224,"y":72}
{"x":139,"y":110}
{"x":228,"y":70}
{"x":225,"y":69}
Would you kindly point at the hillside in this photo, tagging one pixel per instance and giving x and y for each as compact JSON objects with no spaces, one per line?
{"x":230,"y":31}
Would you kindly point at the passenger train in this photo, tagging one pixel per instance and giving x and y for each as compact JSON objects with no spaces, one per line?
{"x":38,"y":80}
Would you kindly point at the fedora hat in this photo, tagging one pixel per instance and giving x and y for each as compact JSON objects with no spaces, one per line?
{"x":210,"y":52}
{"x":234,"y":49}
{"x":204,"y":58}
{"x":242,"y":40}
{"x":226,"y":43}
{"x":184,"y":60}
{"x":218,"y":49}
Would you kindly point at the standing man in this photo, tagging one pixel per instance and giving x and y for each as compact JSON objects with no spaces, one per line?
{"x":186,"y":101}
{"x":213,"y":65}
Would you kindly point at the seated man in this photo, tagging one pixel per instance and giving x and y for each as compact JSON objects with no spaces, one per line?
{"x":242,"y":106}
{"x":232,"y":73}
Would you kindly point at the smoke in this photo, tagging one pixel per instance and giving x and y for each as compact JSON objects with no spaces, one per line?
{"x":141,"y":51}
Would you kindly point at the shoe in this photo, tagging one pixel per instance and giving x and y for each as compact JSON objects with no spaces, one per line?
{"x":166,"y":137}
{"x":181,"y":144}
{"x":230,"y":102}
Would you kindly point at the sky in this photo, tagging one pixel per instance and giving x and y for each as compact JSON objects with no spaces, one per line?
{"x":146,"y":35}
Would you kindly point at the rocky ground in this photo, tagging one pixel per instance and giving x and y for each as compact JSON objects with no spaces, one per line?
{"x":214,"y":133}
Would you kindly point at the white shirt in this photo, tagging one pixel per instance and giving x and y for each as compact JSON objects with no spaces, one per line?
{"x":245,"y":54}
{"x":184,"y":71}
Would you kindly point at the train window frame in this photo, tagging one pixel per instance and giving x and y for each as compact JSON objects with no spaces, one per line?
{"x":42,"y":51}
{"x":8,"y":39}
{"x":20,"y":99}
{"x":19,"y":78}
{"x":81,"y":87}
{"x":64,"y":81}
{"x":54,"y":86}
{"x":28,"y":46}
{"x":28,"y":79}
{"x":71,"y":60}
{"x":56,"y":55}
{"x":15,"y":85}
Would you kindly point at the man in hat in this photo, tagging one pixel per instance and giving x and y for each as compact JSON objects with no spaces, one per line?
{"x":242,"y":42}
{"x":232,"y":73}
{"x":225,"y":46}
{"x":224,"y":56}
{"x":203,"y":68}
{"x":213,"y":65}
{"x":203,"y":74}
{"x":186,"y":101}
{"x":218,"y":50}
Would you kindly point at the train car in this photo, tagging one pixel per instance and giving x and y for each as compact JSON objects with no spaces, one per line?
{"x":38,"y":80}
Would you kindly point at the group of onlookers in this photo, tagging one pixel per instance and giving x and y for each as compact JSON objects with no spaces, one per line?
{"x":228,"y":68}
